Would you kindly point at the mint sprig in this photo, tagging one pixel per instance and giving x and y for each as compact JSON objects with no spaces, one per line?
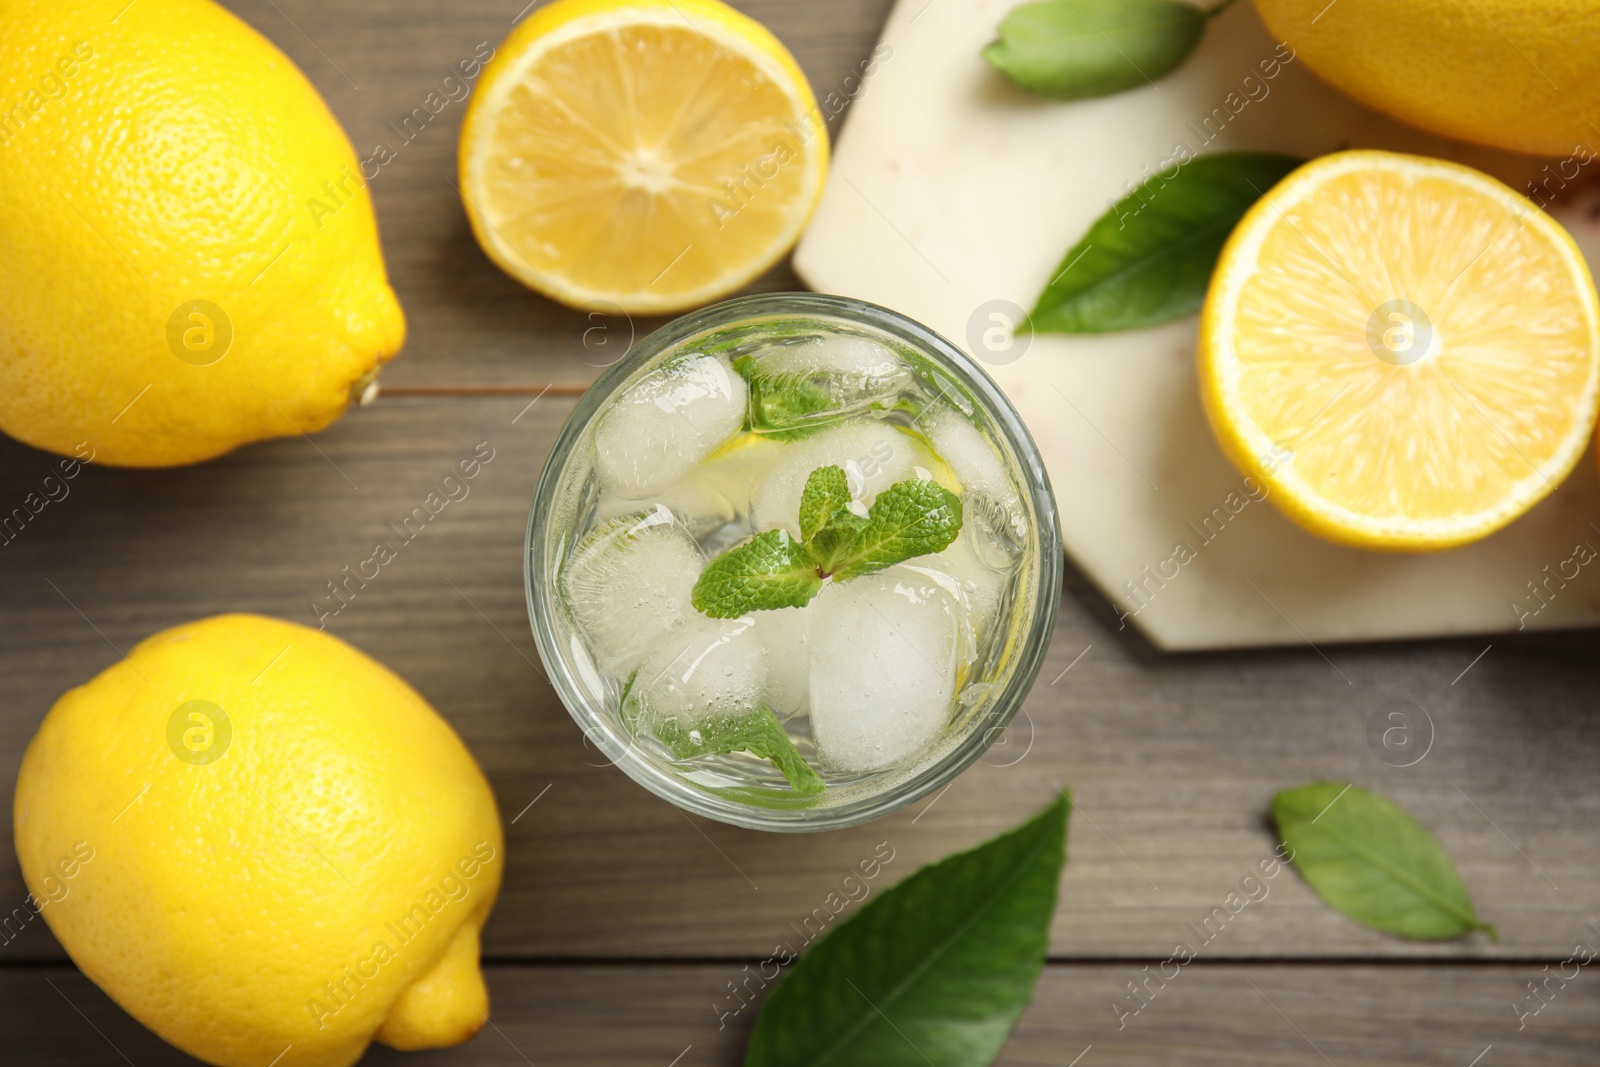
{"x":827,"y":525}
{"x":758,"y":733}
{"x":909,"y":519}
{"x":826,"y":494}
{"x":772,"y":570}
{"x":784,"y":407}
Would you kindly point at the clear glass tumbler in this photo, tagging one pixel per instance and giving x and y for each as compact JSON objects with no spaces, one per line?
{"x":941,"y":383}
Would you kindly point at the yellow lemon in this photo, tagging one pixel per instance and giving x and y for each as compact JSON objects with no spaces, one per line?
{"x":641,"y":155}
{"x":264,"y":845}
{"x":188,"y":255}
{"x":1517,"y":74}
{"x":1404,"y":350}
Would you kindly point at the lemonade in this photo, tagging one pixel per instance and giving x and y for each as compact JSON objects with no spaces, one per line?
{"x":792,"y":558}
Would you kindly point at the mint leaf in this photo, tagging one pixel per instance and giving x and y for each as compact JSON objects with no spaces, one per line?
{"x":909,"y":519}
{"x":630,"y":718}
{"x":935,"y":970}
{"x":827,"y":493}
{"x":833,"y":542}
{"x":827,"y":525}
{"x":758,"y":733}
{"x":772,"y":570}
{"x":1072,"y":49}
{"x":1149,"y":259}
{"x":1367,"y":857}
{"x":784,"y":407}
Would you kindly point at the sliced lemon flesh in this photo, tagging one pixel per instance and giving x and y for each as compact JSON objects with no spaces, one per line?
{"x":643,"y":155}
{"x":1404,"y":350}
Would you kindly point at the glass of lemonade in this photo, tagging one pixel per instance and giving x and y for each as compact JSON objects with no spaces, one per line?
{"x":793,"y":562}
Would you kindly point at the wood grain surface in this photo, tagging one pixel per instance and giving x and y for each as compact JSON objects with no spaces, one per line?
{"x":629,"y":1015}
{"x":622,"y":919}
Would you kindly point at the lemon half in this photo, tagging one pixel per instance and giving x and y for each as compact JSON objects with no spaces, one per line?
{"x":647,"y":155}
{"x":1404,"y":350}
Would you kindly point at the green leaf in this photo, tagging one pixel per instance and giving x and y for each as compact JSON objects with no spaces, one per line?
{"x":935,"y":970}
{"x":826,"y":494}
{"x":1149,"y":259}
{"x":1072,"y":49}
{"x":827,"y":524}
{"x":772,"y":570}
{"x":758,"y":733}
{"x":909,"y":519}
{"x":833,"y":542}
{"x":1368,"y":858}
{"x":785,"y":407}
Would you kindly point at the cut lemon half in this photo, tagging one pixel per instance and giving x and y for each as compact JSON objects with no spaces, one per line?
{"x":641,"y":155}
{"x":1404,"y":350}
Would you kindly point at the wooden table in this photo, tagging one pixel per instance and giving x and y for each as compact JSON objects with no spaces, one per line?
{"x":623,"y":921}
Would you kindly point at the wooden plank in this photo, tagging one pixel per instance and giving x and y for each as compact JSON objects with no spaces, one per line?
{"x":1172,"y":758}
{"x":376,"y":63}
{"x":1266,"y":1015}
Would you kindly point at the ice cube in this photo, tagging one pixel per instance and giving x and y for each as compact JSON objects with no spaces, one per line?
{"x":665,"y":423}
{"x":825,"y":377}
{"x":993,"y":517}
{"x":784,"y":632}
{"x":884,"y":654}
{"x":712,"y":496}
{"x":981,"y":585}
{"x":697,"y":503}
{"x":628,"y":585}
{"x":967,"y":452}
{"x":703,"y":669}
{"x":874,"y":455}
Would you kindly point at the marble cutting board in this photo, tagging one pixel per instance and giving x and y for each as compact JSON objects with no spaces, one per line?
{"x":954,"y":195}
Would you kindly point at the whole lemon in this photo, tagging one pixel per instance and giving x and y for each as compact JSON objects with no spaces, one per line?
{"x":1517,"y":74}
{"x":189,"y":259}
{"x":262,"y":843}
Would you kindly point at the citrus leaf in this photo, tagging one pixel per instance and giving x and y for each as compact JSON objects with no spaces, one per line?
{"x":827,"y":493}
{"x":772,"y":570}
{"x":758,"y":733}
{"x":935,"y":970}
{"x":1072,"y":49}
{"x":909,"y":519}
{"x":1368,"y":858}
{"x":1149,"y":259}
